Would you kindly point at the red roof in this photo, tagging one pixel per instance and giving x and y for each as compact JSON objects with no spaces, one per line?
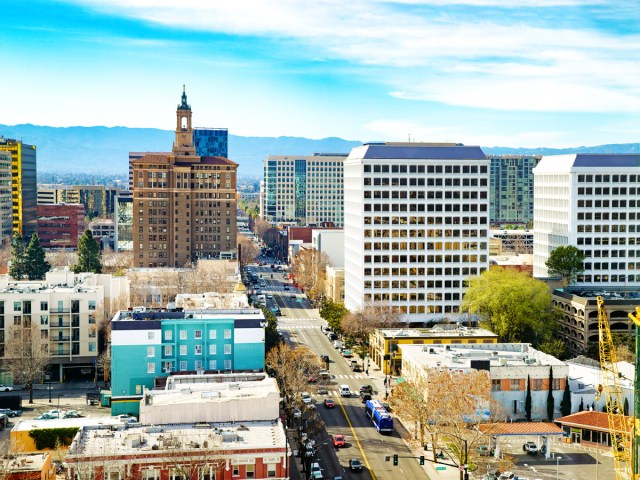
{"x":521,"y":428}
{"x":592,"y":420}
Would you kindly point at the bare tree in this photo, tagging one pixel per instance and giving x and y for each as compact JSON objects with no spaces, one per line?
{"x":61,"y":258}
{"x":27,"y":353}
{"x":309,"y":270}
{"x":360,"y":324}
{"x":248,"y":250}
{"x":114,"y":262}
{"x":292,"y":366}
{"x":261,"y":227}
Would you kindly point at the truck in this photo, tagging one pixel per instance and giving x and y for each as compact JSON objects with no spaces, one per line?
{"x":93,"y":397}
{"x":13,"y":402}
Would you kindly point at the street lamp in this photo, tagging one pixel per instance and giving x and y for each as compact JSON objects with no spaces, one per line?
{"x":557,"y":466}
{"x":59,"y":395}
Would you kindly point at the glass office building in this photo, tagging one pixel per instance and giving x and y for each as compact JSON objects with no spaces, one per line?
{"x":211,"y":142}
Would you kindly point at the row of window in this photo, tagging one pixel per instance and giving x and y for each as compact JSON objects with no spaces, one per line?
{"x":431,"y":194}
{"x":607,"y":178}
{"x":420,"y":182}
{"x":183,"y":366}
{"x":420,"y":271}
{"x":515,"y":384}
{"x":607,"y":203}
{"x":429,"y":169}
{"x":605,"y":191}
{"x":183,"y":349}
{"x":19,"y":306}
{"x":413,"y":309}
{"x":197,"y":334}
{"x":403,"y":297}
{"x":403,"y":284}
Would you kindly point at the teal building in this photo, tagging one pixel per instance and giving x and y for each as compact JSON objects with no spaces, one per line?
{"x":148,"y":346}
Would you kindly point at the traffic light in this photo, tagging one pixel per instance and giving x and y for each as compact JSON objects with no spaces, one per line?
{"x":395,"y":459}
{"x":421,"y":459}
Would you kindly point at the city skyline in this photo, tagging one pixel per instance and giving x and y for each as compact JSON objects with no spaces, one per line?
{"x":552,"y":73}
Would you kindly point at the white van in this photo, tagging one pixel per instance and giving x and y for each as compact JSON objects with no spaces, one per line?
{"x":345,"y":391}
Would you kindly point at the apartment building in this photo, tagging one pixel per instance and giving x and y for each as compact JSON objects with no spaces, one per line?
{"x":184,"y":205}
{"x":65,"y":307}
{"x":24,"y":191}
{"x":147,"y":346}
{"x":416,"y":226}
{"x":307,"y":190}
{"x":509,"y":366}
{"x":511,"y":195}
{"x":590,"y":201}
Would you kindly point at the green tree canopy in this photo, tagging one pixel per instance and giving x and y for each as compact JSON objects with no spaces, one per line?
{"x":88,"y":254}
{"x":18,"y":267}
{"x":513,"y":305}
{"x":333,"y":313}
{"x":566,"y":262}
{"x":37,"y":265}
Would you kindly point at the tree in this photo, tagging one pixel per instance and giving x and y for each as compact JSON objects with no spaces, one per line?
{"x":27,"y":353}
{"x":581,"y":408}
{"x":566,"y":262}
{"x":271,"y":337}
{"x":626,"y":406}
{"x":248,"y":250}
{"x":88,"y":254}
{"x":37,"y":265}
{"x":551,"y":403}
{"x":527,"y":401}
{"x":333,"y":313}
{"x":513,"y":305}
{"x":555,"y":347}
{"x":18,"y":267}
{"x":309,"y":269}
{"x":565,"y":404}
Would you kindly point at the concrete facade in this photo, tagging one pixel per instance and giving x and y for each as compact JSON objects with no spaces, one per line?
{"x":331,"y":243}
{"x":416,"y":226}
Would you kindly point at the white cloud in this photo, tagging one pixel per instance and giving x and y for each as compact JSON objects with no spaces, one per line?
{"x":486,"y":63}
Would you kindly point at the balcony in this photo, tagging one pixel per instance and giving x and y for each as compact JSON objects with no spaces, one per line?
{"x":62,"y":352}
{"x":59,"y":338}
{"x":59,"y":310}
{"x":60,"y":325}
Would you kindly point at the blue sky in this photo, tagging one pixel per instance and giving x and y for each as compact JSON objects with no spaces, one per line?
{"x":554,"y":73}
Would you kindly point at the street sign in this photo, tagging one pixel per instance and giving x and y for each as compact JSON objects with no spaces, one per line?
{"x":441,"y":468}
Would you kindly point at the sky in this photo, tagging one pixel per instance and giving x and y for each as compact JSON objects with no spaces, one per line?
{"x":513,"y":73}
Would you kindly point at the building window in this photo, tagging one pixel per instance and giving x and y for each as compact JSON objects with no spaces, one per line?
{"x":235,"y":471}
{"x":151,"y":352}
{"x":92,"y":319}
{"x":183,"y":349}
{"x":537,"y":384}
{"x":227,"y":364}
{"x":176,"y":474}
{"x":250,"y":471}
{"x":227,"y":349}
{"x":92,"y":346}
{"x":556,"y":383}
{"x":44,"y":319}
{"x":495,"y":385}
{"x":44,"y":306}
{"x":213,"y":349}
{"x":271,"y":470}
{"x":198,"y":364}
{"x":168,"y":335}
{"x":198,"y":349}
{"x":92,"y":304}
{"x":151,"y":474}
{"x":168,"y":350}
{"x":151,"y":367}
{"x":112,"y":475}
{"x":17,"y":306}
{"x":151,"y":335}
{"x":227,"y":333}
{"x":515,"y":384}
{"x":213,"y":334}
{"x":183,"y":334}
{"x":183,"y":365}
{"x":207,"y":473}
{"x":213,"y":365}
{"x":198,"y":334}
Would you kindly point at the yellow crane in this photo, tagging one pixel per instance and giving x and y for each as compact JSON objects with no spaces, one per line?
{"x":620,"y":428}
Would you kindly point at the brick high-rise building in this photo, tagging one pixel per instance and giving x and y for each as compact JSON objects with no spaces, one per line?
{"x":184,"y":205}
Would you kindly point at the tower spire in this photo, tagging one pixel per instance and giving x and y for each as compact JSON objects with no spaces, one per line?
{"x":184,"y":105}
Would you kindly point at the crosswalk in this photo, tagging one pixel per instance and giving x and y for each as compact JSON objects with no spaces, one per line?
{"x":299,"y":327}
{"x":361,"y":376}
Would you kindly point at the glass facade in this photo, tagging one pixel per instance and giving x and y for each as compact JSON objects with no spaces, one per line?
{"x":511,"y":194}
{"x":211,"y":142}
{"x":300,"y":183}
{"x":24,"y":189}
{"x":123,"y":224}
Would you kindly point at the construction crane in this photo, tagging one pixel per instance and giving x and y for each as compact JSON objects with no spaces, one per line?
{"x":620,"y":428}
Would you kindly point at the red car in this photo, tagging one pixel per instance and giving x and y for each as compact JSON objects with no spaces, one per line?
{"x":338,"y":441}
{"x":329,"y":403}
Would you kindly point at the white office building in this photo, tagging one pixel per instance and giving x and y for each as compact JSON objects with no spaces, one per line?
{"x":589,"y":201}
{"x":307,"y":190}
{"x":416,"y":226}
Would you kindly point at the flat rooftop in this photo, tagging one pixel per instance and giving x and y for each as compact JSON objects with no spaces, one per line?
{"x":28,"y":425}
{"x":177,"y":438}
{"x":182,"y":389}
{"x":439,"y":331}
{"x":609,"y":293}
{"x":26,"y":463}
{"x":461,"y":355}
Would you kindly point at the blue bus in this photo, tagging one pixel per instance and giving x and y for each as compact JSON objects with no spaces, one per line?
{"x":379,"y":416}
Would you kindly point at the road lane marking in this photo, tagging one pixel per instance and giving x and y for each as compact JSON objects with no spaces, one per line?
{"x":353,"y":432}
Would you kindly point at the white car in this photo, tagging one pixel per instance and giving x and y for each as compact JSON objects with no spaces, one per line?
{"x":126,"y":418}
{"x":306,"y":398}
{"x":5,"y":388}
{"x":507,"y":476}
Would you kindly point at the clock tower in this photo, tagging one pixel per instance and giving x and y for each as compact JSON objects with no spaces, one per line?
{"x":184,"y":146}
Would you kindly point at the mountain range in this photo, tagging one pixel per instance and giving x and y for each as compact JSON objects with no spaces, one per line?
{"x":106,"y":149}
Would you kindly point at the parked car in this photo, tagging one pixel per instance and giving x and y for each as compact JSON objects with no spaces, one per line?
{"x":306,"y":398}
{"x":46,"y":416}
{"x":5,"y":388}
{"x":315,"y":467}
{"x":531,"y":448}
{"x":10,"y":413}
{"x":332,"y":336}
{"x":339,"y":441}
{"x":507,"y":476}
{"x":347,"y":353}
{"x":355,"y":465}
{"x":72,"y":414}
{"x":126,"y":418}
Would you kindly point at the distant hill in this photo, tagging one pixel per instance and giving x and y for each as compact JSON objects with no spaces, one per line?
{"x":106,"y":149}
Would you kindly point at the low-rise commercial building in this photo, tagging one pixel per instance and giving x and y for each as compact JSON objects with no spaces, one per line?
{"x":207,"y":451}
{"x":385,"y":343}
{"x":510,"y":365}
